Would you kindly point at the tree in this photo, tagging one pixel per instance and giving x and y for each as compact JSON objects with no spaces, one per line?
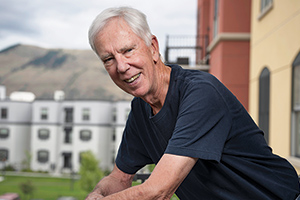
{"x":151,"y":167}
{"x":26,"y":162}
{"x":27,"y":188}
{"x":89,"y":171}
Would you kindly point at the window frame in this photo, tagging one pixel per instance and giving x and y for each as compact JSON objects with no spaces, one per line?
{"x":84,"y":138}
{"x":3,"y":159}
{"x":68,"y":135}
{"x":216,"y":18}
{"x":41,"y":159}
{"x":7,"y":135}
{"x":4,"y":113}
{"x":69,"y":114}
{"x":43,"y":137}
{"x":295,"y":109}
{"x":265,"y":7}
{"x":114,"y":115}
{"x":86,"y":113}
{"x":44,"y":113}
{"x":264,"y":102}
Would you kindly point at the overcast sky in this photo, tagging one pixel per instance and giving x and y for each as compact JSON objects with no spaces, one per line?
{"x":65,"y":23}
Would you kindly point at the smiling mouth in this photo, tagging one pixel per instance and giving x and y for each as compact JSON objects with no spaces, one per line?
{"x":132,"y":78}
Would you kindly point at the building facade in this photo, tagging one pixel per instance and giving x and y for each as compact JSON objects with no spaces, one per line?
{"x":227,"y":25}
{"x":56,"y":132}
{"x":15,"y":130}
{"x":275,"y":75}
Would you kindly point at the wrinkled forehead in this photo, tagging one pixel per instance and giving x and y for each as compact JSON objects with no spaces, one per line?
{"x":115,"y":28}
{"x":116,"y":23}
{"x":116,"y":35}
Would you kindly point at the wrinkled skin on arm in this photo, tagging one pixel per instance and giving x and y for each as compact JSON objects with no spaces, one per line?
{"x":169,"y":173}
{"x":116,"y":181}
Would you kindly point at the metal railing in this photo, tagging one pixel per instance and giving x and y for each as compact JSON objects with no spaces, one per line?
{"x":183,"y":49}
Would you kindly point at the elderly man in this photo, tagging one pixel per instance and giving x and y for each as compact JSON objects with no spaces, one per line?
{"x":202,"y":140}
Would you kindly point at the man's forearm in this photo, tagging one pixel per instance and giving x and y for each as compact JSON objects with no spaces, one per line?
{"x":142,"y":191}
{"x":105,"y":191}
{"x":107,"y":186}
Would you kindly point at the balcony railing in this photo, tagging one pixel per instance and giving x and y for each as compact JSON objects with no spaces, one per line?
{"x":186,"y":50}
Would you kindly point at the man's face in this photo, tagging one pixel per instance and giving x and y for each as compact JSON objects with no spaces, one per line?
{"x":126,"y":57}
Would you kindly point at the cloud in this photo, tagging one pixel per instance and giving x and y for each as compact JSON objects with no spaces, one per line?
{"x":14,"y":19}
{"x":65,"y":23}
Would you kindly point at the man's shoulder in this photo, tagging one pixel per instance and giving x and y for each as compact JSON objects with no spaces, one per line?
{"x":188,"y":77}
{"x":138,"y":106}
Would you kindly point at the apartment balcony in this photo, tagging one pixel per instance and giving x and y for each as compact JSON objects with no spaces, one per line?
{"x":187,"y":51}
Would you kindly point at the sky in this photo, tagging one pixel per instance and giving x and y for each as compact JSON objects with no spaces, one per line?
{"x":65,"y":23}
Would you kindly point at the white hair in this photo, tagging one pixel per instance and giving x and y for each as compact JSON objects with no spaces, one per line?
{"x":134,"y":18}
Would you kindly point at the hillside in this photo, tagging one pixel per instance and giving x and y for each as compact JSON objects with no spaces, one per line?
{"x":79,"y":73}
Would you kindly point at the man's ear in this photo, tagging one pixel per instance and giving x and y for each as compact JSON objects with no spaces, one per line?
{"x":155,"y":48}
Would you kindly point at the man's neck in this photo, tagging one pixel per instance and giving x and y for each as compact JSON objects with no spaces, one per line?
{"x":157,"y":100}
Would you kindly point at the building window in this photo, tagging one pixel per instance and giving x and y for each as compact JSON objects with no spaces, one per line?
{"x":264,"y":102}
{"x":44,"y":113}
{"x":114,"y":135}
{"x":67,"y":159}
{"x":4,"y":113}
{"x":3,"y":155}
{"x":43,"y":134}
{"x":114,"y":115}
{"x":265,"y":7}
{"x":69,"y":115}
{"x":43,"y":156}
{"x":68,"y":135}
{"x":85,"y":135}
{"x":296,"y":107}
{"x":85,"y":114}
{"x":216,"y":20}
{"x":4,"y":132}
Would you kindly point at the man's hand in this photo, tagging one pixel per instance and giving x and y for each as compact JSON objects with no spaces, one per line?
{"x":115,"y":182}
{"x":94,"y":196}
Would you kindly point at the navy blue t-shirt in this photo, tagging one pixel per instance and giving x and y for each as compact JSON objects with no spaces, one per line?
{"x":201,"y":118}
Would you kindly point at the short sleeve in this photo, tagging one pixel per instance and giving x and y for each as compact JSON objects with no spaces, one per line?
{"x":203,"y":124}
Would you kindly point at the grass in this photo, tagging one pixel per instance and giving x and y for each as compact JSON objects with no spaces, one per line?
{"x":46,"y":188}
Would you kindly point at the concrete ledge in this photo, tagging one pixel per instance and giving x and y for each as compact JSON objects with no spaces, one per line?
{"x":228,"y":37}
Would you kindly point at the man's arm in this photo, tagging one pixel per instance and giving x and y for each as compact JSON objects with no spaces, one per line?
{"x":169,"y":173}
{"x":116,"y":181}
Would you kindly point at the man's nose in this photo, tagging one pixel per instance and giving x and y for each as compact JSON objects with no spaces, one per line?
{"x":122,"y":65}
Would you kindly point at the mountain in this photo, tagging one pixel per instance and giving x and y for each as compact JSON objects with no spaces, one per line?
{"x":79,"y":73}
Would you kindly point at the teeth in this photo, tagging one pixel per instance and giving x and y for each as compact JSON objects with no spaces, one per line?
{"x":132,"y":78}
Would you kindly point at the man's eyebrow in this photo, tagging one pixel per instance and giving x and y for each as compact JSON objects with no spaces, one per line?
{"x":123,"y":49}
{"x":127,"y":47}
{"x":104,"y":57}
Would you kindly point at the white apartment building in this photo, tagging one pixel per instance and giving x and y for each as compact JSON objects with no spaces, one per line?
{"x":15,"y":130}
{"x":56,"y":132}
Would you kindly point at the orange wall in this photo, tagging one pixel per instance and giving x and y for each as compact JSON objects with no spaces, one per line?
{"x":234,"y":15}
{"x":229,"y":59}
{"x":230,"y":64}
{"x":203,"y":26}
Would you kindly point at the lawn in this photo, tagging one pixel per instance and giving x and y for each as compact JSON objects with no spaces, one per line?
{"x":45,"y":188}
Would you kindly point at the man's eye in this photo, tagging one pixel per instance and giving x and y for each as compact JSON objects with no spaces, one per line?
{"x":107,"y":60}
{"x":128,"y":51}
